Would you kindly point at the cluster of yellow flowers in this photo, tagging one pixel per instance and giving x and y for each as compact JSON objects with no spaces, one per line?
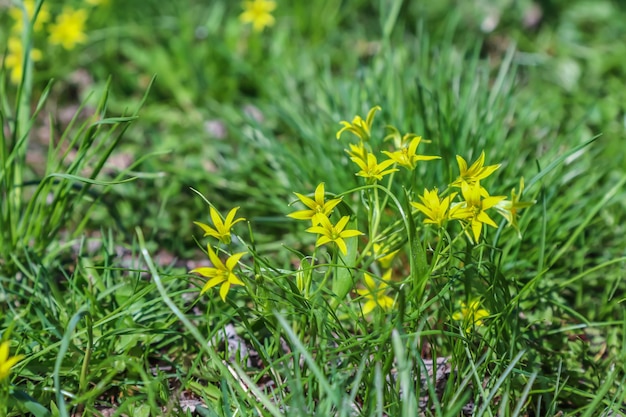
{"x":470,"y":209}
{"x":67,"y":30}
{"x":464,"y":200}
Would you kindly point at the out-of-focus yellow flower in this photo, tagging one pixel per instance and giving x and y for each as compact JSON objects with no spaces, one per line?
{"x":318,"y":208}
{"x":374,"y":293}
{"x":29,"y":5}
{"x":7,"y":362}
{"x":357,"y":151}
{"x":359,"y":127}
{"x":475,"y":173}
{"x":221,"y":230}
{"x":68,"y":30}
{"x":14,"y":59}
{"x":509,"y":208}
{"x":471,"y":314}
{"x":383,"y":256}
{"x":258,"y":13}
{"x":220,"y":273}
{"x":333,"y":233}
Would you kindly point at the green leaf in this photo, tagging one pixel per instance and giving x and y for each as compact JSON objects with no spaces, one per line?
{"x":30,"y":404}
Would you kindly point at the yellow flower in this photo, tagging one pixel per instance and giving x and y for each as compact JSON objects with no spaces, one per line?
{"x":220,"y":273}
{"x":361,"y":128}
{"x":439,"y":210}
{"x":357,"y":151}
{"x":475,"y":173}
{"x":222,"y":228}
{"x":318,"y":209}
{"x":6,"y":362}
{"x":259,"y":13}
{"x":471,"y":315}
{"x":69,"y":28}
{"x":383,"y":256}
{"x":374,"y":293}
{"x":14,"y":59}
{"x":371,"y":169}
{"x":509,"y":208}
{"x":406,"y":155}
{"x":476,"y":206}
{"x":29,"y":5}
{"x":329,"y":233}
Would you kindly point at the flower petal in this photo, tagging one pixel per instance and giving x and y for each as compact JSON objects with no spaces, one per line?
{"x":319,"y":194}
{"x":341,"y":245}
{"x":234,"y":280}
{"x":322,"y":240}
{"x":205,"y":271}
{"x":231,"y":262}
{"x":208,"y":230}
{"x":217,"y":220}
{"x":215,"y":260}
{"x":302,"y":215}
{"x":369,"y":306}
{"x":224,"y":290}
{"x":307,"y":201}
{"x":350,"y":233}
{"x":341,"y":224}
{"x":211,"y":283}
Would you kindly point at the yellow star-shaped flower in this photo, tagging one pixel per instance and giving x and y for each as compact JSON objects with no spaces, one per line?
{"x":509,"y":208}
{"x":476,"y":204}
{"x":439,"y":210}
{"x":333,"y":233}
{"x":471,"y":314}
{"x":221,"y":230}
{"x":258,"y":13}
{"x":68,"y":30}
{"x":359,"y":127}
{"x":371,"y":170}
{"x":374,"y":293}
{"x":221,"y":273}
{"x":475,"y":173}
{"x":318,"y":208}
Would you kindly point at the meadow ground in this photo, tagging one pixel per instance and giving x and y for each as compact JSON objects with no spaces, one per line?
{"x":359,"y":208}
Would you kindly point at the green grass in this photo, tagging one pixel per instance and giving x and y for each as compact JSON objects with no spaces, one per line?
{"x":95,"y":256}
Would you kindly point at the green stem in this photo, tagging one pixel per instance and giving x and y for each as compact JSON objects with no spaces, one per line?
{"x":4,"y":397}
{"x":82,"y":382}
{"x":332,"y":270}
{"x":468,"y":278}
